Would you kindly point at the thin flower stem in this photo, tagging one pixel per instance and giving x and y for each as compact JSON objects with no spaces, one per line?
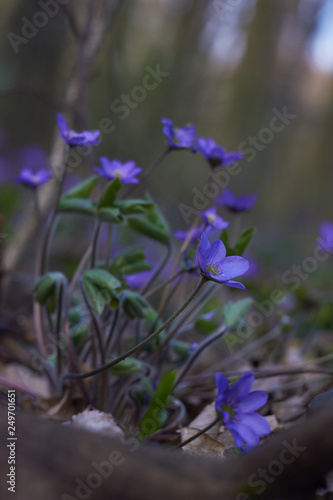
{"x":78,"y":271}
{"x":173,"y":332}
{"x":37,"y":309}
{"x":161,"y":285}
{"x":49,"y":225}
{"x":95,"y":322}
{"x":149,"y":170}
{"x":111,"y":331}
{"x":41,"y":262}
{"x":158,"y":270}
{"x":146,"y":341}
{"x":209,"y":340}
{"x":60,"y":299}
{"x":108,"y":246}
{"x":96,"y":234}
{"x":198,"y":434}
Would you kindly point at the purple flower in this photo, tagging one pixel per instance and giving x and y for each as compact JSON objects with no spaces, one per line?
{"x":325,"y":240}
{"x":114,"y":169}
{"x":183,"y":137}
{"x":191,"y":235}
{"x":215,"y":266}
{"x":234,"y":204}
{"x":215,"y":154}
{"x":238,"y":406}
{"x":138,"y":280}
{"x":33,"y":179}
{"x":211,"y":218}
{"x":73,"y":138}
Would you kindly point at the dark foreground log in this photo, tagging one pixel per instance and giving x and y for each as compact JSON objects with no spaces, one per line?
{"x":56,"y":462}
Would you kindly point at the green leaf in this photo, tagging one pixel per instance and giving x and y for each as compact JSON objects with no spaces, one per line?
{"x":83,"y":189}
{"x":79,"y":333}
{"x":234,"y":312}
{"x":205,"y":326}
{"x":152,"y":225}
{"x":45,"y":287}
{"x":133,"y":304}
{"x":78,"y":205}
{"x":109,"y":194}
{"x":94,"y":296}
{"x":154,"y":417}
{"x":102,"y":279}
{"x":243,"y":241}
{"x":111,"y":215}
{"x":130,"y":261}
{"x":128,"y":207}
{"x":136,"y":267}
{"x":144,"y":226}
{"x":126,"y":367}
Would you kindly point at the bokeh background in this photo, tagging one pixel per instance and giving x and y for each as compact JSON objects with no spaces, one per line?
{"x":230,"y":64}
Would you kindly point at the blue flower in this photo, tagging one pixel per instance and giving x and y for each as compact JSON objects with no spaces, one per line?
{"x":214,"y":264}
{"x":183,"y":137}
{"x":114,"y":169}
{"x":73,"y":138}
{"x":215,"y":154}
{"x":238,"y":406}
{"x":192,"y":235}
{"x":33,"y":179}
{"x":234,"y":203}
{"x":326,"y":236}
{"x":211,"y":218}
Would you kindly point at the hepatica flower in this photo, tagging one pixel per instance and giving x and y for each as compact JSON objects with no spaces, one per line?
{"x":215,"y":154}
{"x":192,"y":235}
{"x":234,"y":203}
{"x":211,"y":218}
{"x":326,"y":236}
{"x":73,"y":138}
{"x":238,"y":406}
{"x":214,"y":264}
{"x":114,"y":169}
{"x":179,"y":138}
{"x":33,"y":179}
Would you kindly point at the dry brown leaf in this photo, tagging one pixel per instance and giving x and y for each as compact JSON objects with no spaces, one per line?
{"x":204,"y":445}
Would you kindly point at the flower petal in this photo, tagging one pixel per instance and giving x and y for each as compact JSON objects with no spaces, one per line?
{"x":204,"y":246}
{"x":234,"y":284}
{"x":245,"y":432}
{"x":242,"y":387}
{"x":257,"y":423}
{"x":217,"y":253}
{"x":252,"y":402}
{"x":234,"y":266}
{"x":62,"y":124}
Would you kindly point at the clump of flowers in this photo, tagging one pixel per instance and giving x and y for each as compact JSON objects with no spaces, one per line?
{"x":103,"y":317}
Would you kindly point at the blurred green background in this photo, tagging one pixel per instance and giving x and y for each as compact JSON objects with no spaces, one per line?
{"x":231,"y":63}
